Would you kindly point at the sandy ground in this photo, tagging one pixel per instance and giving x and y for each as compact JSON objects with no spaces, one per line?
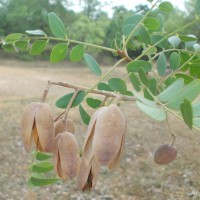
{"x":137,"y":177}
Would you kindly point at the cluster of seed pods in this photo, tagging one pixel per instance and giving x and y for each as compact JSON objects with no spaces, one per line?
{"x":103,"y":145}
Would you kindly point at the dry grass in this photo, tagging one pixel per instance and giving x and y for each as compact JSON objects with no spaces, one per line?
{"x":137,"y":178}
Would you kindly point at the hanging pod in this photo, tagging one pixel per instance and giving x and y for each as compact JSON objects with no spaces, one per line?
{"x":66,"y":155}
{"x":105,"y":137}
{"x":64,"y":126}
{"x":37,"y":126}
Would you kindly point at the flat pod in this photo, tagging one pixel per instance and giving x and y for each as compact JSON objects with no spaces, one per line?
{"x":109,"y":131}
{"x":64,"y":126}
{"x":45,"y":127}
{"x":66,"y":155}
{"x":27,"y":123}
{"x":165,"y":154}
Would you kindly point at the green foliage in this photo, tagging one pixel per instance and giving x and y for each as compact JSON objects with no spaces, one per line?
{"x":77,"y":53}
{"x":35,"y":181}
{"x":117,"y":84}
{"x":84,"y":115}
{"x":59,"y":52}
{"x":93,"y":103}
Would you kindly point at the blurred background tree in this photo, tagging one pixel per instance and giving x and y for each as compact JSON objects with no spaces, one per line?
{"x":90,"y":24}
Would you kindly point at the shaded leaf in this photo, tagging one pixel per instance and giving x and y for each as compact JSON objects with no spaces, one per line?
{"x":93,"y":103}
{"x":162,"y":64}
{"x":144,"y":35}
{"x":117,"y":84}
{"x":42,"y":181}
{"x":56,"y":25}
{"x":135,"y":65}
{"x":186,"y":111}
{"x":92,"y":64}
{"x":22,"y":45}
{"x":143,"y":77}
{"x":196,"y":109}
{"x":156,"y":39}
{"x":64,"y":101}
{"x":59,"y":52}
{"x":197,"y":7}
{"x":187,"y":79}
{"x":134,"y":19}
{"x":175,"y":61}
{"x":104,"y":86}
{"x":135,"y":81}
{"x":84,"y":115}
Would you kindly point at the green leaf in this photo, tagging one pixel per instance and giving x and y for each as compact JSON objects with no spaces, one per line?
{"x":38,"y":47}
{"x":171,"y":92}
{"x":147,"y":95}
{"x":157,"y":38}
{"x":117,"y":84}
{"x":35,"y":32}
{"x":187,"y":38}
{"x":144,"y":35}
{"x":22,"y":45}
{"x":154,"y":113}
{"x":42,"y":181}
{"x":196,"y":109}
{"x":93,"y":103}
{"x":147,"y":102}
{"x":196,"y":122}
{"x":161,"y":22}
{"x":42,"y":167}
{"x":187,"y":79}
{"x":190,"y":44}
{"x":92,"y":64}
{"x":56,"y":25}
{"x":143,"y":77}
{"x":135,"y":65}
{"x":127,"y":29}
{"x":127,"y":93}
{"x":104,"y":86}
{"x":169,"y":81}
{"x":186,"y":111}
{"x":134,"y":19}
{"x":59,"y":52}
{"x":166,"y":7}
{"x":190,"y":91}
{"x":9,"y":48}
{"x":174,"y":41}
{"x":77,"y":53}
{"x":42,"y":156}
{"x":175,"y":61}
{"x":162,"y":64}
{"x":197,"y":7}
{"x":14,"y":37}
{"x":64,"y":100}
{"x":135,"y":81}
{"x":153,"y":86}
{"x":151,"y":23}
{"x":84,"y":115}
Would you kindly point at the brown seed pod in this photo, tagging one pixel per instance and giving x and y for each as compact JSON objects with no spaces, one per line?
{"x":88,"y":174}
{"x":165,"y":154}
{"x":66,"y":155}
{"x":64,"y":126}
{"x":37,"y":125}
{"x":109,"y":135}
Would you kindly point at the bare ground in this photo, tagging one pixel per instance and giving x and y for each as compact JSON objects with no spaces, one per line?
{"x":137,"y":177}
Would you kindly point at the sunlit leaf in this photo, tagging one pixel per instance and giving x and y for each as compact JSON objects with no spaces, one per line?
{"x":187,"y":79}
{"x":64,"y":100}
{"x":42,"y":167}
{"x":59,"y":52}
{"x":38,"y":47}
{"x":92,"y":64}
{"x":56,"y":25}
{"x":77,"y":53}
{"x":151,"y":23}
{"x":166,"y":7}
{"x":84,"y":115}
{"x":35,"y":32}
{"x":186,"y":111}
{"x":187,"y":38}
{"x":14,"y":37}
{"x":154,"y":113}
{"x":174,"y":40}
{"x":42,"y":156}
{"x":22,"y":45}
{"x":104,"y":86}
{"x":171,"y":91}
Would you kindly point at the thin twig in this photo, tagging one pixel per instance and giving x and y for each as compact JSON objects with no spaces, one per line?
{"x":45,"y":93}
{"x":104,"y":93}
